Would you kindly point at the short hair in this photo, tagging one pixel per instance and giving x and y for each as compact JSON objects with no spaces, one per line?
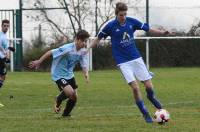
{"x":120,"y":6}
{"x":82,"y":35}
{"x":5,"y":21}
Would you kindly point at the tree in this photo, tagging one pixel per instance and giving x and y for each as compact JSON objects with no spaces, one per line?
{"x":83,"y":13}
{"x":194,"y":30}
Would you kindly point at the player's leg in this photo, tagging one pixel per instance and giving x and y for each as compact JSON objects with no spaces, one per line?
{"x":70,"y":104}
{"x":128,"y":73}
{"x":61,"y":83}
{"x":72,"y":94}
{"x":2,"y":78}
{"x":3,"y":72}
{"x":151,"y":95}
{"x":59,"y":99}
{"x":143,"y":75}
{"x":139,"y":102}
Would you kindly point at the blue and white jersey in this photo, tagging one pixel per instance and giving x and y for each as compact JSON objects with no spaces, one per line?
{"x":64,"y":60}
{"x":4,"y":43}
{"x":122,"y":38}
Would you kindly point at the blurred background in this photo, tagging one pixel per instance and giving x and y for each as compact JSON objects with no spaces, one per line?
{"x":39,"y":25}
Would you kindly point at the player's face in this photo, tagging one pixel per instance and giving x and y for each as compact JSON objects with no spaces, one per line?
{"x":82,"y":43}
{"x":121,"y":16}
{"x":5,"y":27}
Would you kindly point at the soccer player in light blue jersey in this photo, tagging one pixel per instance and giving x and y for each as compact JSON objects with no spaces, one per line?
{"x":64,"y":60}
{"x":128,"y":59}
{"x":4,"y":54}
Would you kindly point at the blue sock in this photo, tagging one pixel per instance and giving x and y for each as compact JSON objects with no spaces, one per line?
{"x":151,"y":97}
{"x":142,"y":107}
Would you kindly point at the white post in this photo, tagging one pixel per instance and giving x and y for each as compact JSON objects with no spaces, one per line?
{"x":11,"y":56}
{"x":13,"y":43}
{"x":147,"y":53}
{"x":90,"y":60}
{"x":90,"y":56}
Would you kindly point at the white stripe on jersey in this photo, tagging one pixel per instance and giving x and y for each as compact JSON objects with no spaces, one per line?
{"x":142,"y":25}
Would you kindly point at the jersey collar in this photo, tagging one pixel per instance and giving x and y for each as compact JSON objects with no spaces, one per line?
{"x":119,"y":23}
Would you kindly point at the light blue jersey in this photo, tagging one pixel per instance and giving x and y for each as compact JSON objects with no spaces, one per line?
{"x":64,"y":60}
{"x":4,"y":43}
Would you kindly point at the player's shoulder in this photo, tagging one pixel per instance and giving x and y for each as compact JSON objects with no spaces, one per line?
{"x":110,"y":23}
{"x":131,"y":19}
{"x":65,"y":47}
{"x":68,"y":46}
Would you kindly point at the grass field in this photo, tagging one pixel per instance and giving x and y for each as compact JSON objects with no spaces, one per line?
{"x":105,"y":105}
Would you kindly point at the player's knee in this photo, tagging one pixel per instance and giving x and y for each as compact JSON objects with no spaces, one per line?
{"x":73,"y":96}
{"x":148,"y":84}
{"x":136,"y":90}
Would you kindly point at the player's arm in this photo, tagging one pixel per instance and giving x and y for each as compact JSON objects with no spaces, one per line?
{"x":144,"y":26}
{"x":7,"y":59}
{"x":6,"y":51}
{"x":104,"y":33}
{"x":86,"y":75}
{"x":94,"y":42}
{"x":36,"y":63}
{"x":84,"y":65}
{"x":158,"y":32}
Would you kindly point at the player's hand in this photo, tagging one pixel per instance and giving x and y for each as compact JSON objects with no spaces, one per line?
{"x":34,"y":64}
{"x":169,"y":33}
{"x":7,"y":60}
{"x":87,"y":80}
{"x":166,"y":32}
{"x":11,"y":49}
{"x":172,"y":33}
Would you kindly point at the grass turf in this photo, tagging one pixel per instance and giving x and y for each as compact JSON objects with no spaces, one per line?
{"x":104,"y":105}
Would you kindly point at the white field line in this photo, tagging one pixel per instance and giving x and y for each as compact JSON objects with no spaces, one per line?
{"x":100,"y":107}
{"x":92,"y":115}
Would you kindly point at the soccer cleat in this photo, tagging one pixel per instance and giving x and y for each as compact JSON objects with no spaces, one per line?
{"x":148,"y":118}
{"x":57,"y":109}
{"x":1,"y":105}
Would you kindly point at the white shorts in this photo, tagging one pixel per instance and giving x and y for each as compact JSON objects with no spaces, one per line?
{"x":135,"y":69}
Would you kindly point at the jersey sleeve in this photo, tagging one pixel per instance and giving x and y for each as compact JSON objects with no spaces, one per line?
{"x":105,"y":32}
{"x":60,"y":51}
{"x":6,"y":44}
{"x":139,"y":25}
{"x":84,"y":61}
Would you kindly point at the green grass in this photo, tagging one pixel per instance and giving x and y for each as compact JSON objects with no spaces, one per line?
{"x":104,"y":105}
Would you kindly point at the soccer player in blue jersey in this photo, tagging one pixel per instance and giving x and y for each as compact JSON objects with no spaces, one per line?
{"x":128,"y":59}
{"x":64,"y":60}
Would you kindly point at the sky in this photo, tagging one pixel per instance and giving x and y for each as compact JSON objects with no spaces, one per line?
{"x":179,"y":14}
{"x":9,"y":4}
